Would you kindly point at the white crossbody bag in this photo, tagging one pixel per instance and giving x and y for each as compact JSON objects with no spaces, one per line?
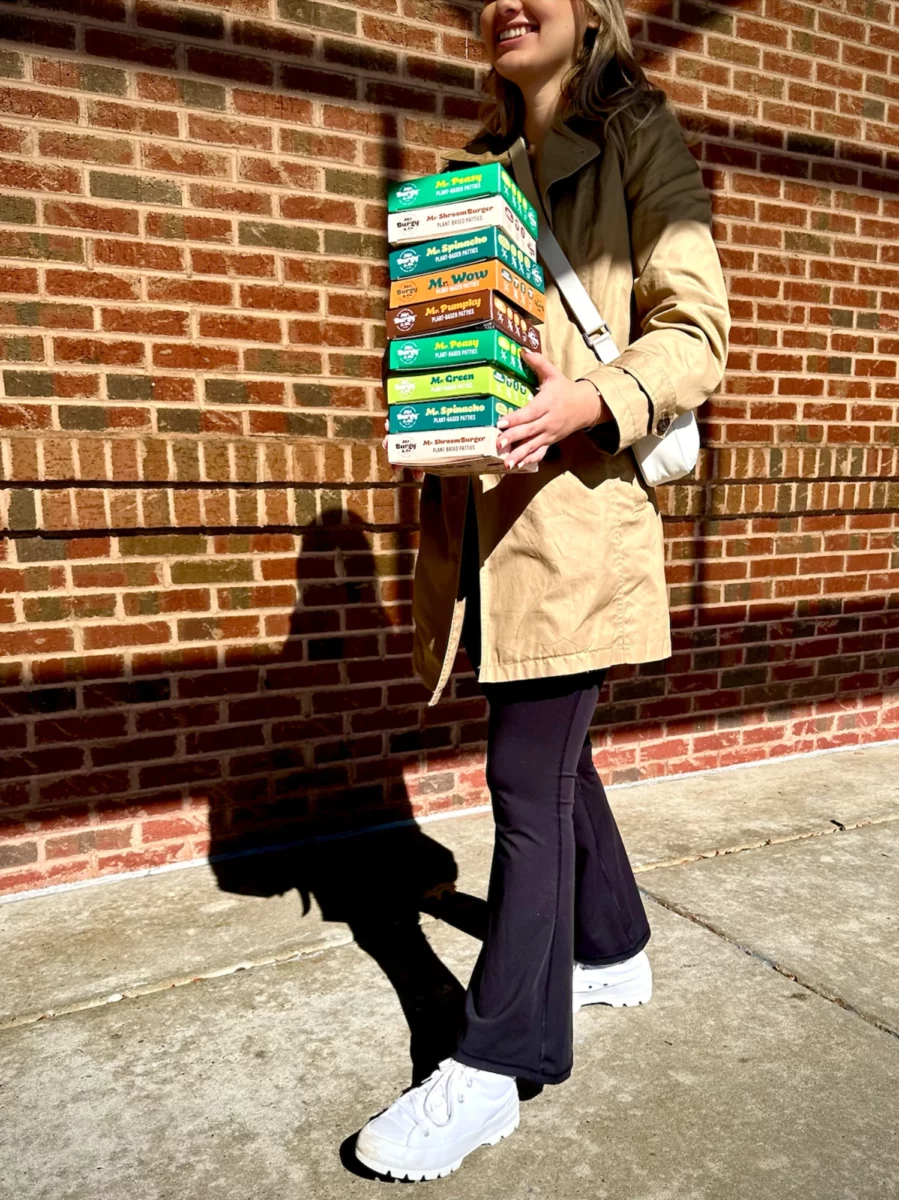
{"x":661,"y":459}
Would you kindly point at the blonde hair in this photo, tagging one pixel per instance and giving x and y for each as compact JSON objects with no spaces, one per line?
{"x":604,"y":82}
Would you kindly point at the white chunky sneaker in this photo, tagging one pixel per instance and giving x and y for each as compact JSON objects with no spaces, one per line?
{"x":427,"y":1132}
{"x":620,"y":985}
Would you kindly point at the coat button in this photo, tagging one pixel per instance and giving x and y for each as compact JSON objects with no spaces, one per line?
{"x":663,"y":424}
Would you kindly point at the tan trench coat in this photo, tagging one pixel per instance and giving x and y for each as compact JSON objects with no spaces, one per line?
{"x":571,"y":558}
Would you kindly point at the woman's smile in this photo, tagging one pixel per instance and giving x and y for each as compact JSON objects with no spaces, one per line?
{"x":533,"y":42}
{"x":514,"y":33}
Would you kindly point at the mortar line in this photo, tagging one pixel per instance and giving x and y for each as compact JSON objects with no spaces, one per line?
{"x":816,"y":990}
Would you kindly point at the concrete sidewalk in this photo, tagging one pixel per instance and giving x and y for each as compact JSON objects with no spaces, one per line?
{"x":194,"y":1034}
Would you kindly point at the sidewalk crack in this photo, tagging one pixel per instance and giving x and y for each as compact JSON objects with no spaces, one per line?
{"x":163,"y":985}
{"x":816,"y":989}
{"x":719,"y":852}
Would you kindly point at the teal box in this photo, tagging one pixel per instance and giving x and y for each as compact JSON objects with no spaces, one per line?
{"x":469,"y":183}
{"x":466,"y":248}
{"x":458,"y":348}
{"x":468,"y":413}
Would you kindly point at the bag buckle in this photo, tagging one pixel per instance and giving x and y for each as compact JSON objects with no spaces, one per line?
{"x":601,"y":344}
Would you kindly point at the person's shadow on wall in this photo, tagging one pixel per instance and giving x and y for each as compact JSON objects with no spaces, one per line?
{"x":376,"y":883}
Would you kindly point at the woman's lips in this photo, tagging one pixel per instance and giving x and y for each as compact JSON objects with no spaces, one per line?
{"x":514,"y":34}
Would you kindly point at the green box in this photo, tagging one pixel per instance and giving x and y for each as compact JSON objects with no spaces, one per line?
{"x":466,"y":346}
{"x":449,"y":385}
{"x":469,"y":412}
{"x":465,"y":248}
{"x":468,"y":183}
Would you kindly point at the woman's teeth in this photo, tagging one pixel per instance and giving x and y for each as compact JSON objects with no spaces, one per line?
{"x":515,"y":32}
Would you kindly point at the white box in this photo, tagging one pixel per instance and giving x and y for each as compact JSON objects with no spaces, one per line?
{"x":451,"y":452}
{"x":424,"y":224}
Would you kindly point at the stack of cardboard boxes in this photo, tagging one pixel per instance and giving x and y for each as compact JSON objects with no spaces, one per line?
{"x":465,"y":294}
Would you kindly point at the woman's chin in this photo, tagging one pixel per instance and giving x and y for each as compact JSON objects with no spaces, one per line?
{"x":514,"y":65}
{"x":516,"y":50}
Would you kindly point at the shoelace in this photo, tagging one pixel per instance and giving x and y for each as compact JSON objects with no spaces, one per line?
{"x":440,"y":1085}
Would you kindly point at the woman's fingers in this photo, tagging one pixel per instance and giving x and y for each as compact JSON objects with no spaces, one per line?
{"x":541,"y":365}
{"x":537,"y":456}
{"x":531,"y":411}
{"x":520,"y":453}
{"x":515,"y":434}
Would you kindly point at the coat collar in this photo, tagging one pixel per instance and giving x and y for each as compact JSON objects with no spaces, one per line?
{"x":568,"y":146}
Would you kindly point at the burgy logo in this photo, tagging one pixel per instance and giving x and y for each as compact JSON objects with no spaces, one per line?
{"x":404,"y":320}
{"x":533,"y":340}
{"x":404,"y":447}
{"x":403,"y":386}
{"x":407,"y":353}
{"x":407,"y":193}
{"x":408,"y":260}
{"x":407,"y":417}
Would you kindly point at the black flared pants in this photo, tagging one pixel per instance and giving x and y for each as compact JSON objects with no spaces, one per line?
{"x":561,"y":887}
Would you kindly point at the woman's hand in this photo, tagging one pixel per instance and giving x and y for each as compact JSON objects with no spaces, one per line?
{"x":418,"y":476}
{"x":560,"y":407}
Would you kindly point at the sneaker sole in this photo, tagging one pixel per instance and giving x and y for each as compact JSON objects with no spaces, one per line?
{"x":579,"y":1004}
{"x":413,"y":1176}
{"x":613,"y":996}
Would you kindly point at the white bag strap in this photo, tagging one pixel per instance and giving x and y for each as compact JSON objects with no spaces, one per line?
{"x":593,"y":327}
{"x":660,"y":459}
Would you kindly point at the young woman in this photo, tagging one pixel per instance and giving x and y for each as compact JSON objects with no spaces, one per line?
{"x":551,"y":578}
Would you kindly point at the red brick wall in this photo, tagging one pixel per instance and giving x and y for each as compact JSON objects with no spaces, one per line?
{"x":205,"y":590}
